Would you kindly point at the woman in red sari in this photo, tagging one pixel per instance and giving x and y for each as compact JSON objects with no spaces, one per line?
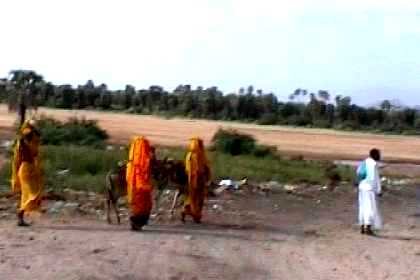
{"x":139,"y":182}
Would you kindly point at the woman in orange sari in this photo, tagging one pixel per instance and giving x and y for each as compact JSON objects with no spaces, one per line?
{"x":26,"y":171}
{"x":198,"y":171}
{"x":139,"y":182}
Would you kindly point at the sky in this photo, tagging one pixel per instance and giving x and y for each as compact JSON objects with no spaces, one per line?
{"x":368,"y":49}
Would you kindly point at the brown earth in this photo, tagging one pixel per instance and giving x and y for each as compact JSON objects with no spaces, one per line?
{"x":305,"y":235}
{"x":308,"y":234}
{"x":312,"y":143}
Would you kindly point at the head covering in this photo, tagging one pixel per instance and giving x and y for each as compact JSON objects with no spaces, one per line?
{"x":196,"y":147}
{"x":31,"y":122}
{"x":27,"y":127}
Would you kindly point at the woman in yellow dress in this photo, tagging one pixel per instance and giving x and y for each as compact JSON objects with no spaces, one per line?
{"x":198,"y":171}
{"x":26,"y":171}
{"x":139,"y":182}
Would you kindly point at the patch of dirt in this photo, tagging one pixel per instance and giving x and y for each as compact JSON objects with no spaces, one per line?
{"x":247,"y":236}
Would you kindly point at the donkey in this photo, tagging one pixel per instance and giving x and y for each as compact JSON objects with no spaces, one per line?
{"x":166,"y":173}
{"x":116,"y":187}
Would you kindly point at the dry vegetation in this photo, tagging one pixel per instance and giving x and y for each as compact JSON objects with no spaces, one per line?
{"x":312,"y":143}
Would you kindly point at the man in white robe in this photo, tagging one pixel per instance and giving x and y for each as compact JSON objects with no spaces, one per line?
{"x":369,"y":190}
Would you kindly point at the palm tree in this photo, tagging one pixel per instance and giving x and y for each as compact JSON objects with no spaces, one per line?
{"x":295,"y":94}
{"x":324,"y":95}
{"x":24,"y":85}
{"x":386,"y":105}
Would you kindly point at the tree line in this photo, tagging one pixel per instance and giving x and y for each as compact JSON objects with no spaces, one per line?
{"x":25,"y":89}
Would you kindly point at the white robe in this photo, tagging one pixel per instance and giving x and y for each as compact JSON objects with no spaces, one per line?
{"x":369,"y":188}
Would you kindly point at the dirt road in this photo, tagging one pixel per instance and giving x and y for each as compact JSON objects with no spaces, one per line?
{"x":312,"y":143}
{"x":247,"y":236}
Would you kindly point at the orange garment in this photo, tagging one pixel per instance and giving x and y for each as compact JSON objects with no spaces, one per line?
{"x":26,"y":170}
{"x":139,"y":185}
{"x":198,"y":171}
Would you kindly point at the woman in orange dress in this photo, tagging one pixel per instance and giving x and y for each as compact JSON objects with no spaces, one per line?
{"x":26,"y":171}
{"x":198,"y":171}
{"x":139,"y":182}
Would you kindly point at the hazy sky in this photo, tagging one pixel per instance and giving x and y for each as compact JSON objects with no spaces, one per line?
{"x":364,"y":48}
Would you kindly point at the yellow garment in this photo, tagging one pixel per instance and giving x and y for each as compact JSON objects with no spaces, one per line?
{"x":198,"y":172}
{"x":139,"y":186}
{"x":26,"y":169}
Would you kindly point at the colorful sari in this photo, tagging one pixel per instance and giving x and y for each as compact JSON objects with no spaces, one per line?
{"x":198,"y":171}
{"x":26,"y":170}
{"x":139,"y":182}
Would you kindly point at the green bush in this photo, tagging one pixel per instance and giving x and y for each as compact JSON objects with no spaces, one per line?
{"x":264,"y":151}
{"x":268,"y":119}
{"x":233,"y":143}
{"x":75,"y":131}
{"x":322,"y":123}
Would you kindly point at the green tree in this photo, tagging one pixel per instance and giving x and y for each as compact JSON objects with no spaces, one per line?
{"x":129,"y":93}
{"x":92,"y":93}
{"x":24,"y":87}
{"x":64,"y":97}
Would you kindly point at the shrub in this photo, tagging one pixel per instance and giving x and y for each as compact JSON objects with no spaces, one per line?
{"x":268,"y":119}
{"x":75,"y":131}
{"x":263,"y":151}
{"x":322,"y":123}
{"x":233,"y":143}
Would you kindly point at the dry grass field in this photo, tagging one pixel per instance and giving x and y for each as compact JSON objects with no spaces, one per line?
{"x":312,"y":143}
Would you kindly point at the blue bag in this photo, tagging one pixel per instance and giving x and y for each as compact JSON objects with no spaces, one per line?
{"x":361,"y":171}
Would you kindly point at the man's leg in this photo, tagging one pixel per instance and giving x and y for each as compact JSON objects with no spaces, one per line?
{"x":369,"y":230}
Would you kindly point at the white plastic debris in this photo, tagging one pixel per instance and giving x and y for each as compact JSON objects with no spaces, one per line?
{"x":6,"y":144}
{"x":63,"y":172}
{"x":232,"y":184}
{"x":289,"y":188}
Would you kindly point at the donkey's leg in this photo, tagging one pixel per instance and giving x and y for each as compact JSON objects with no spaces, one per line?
{"x":157,"y":200}
{"x":116,"y":209}
{"x":159,"y":191}
{"x":176,"y":196}
{"x":108,"y":210}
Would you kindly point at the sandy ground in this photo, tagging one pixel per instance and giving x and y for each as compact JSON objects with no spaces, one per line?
{"x":309,"y":234}
{"x":312,"y":143}
{"x":249,"y":236}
